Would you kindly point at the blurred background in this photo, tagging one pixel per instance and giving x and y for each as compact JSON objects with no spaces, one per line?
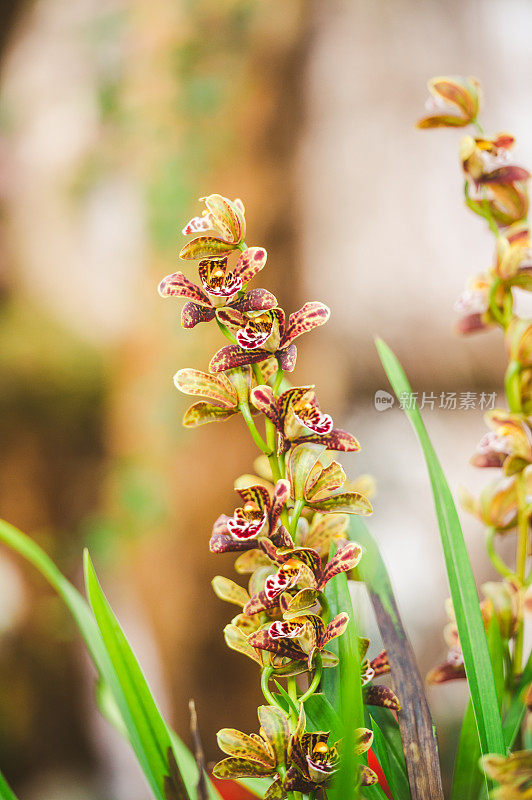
{"x":115,"y":117}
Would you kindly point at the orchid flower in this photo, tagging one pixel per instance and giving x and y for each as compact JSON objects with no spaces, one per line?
{"x":453,"y":103}
{"x":300,"y":566}
{"x":219,"y":288}
{"x":224,"y":217}
{"x":258,"y":517}
{"x":316,"y":485}
{"x":297,"y":418}
{"x":253,"y":756}
{"x":314,"y":761}
{"x":262,"y":334}
{"x":507,"y":445}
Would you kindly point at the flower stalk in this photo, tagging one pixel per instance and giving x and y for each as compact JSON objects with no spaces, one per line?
{"x":291,"y":512}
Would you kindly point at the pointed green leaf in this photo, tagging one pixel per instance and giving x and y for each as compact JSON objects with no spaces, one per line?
{"x":89,"y":630}
{"x":462,"y":583}
{"x":5,"y":791}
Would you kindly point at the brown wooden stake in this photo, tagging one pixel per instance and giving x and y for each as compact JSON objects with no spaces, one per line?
{"x":415,"y":722}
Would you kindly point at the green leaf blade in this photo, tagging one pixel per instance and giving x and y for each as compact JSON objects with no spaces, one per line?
{"x":462,"y":584}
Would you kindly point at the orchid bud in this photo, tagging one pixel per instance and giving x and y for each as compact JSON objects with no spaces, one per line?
{"x":453,"y":103}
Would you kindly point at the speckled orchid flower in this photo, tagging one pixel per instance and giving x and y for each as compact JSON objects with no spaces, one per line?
{"x":313,"y":761}
{"x":317,"y":486}
{"x":220,"y":288}
{"x":260,"y":335}
{"x":298,"y":418}
{"x":300,"y":566}
{"x":473,"y":306}
{"x":299,"y":638}
{"x":253,"y":756}
{"x":224,"y":217}
{"x":258,"y":517}
{"x":507,"y":445}
{"x":505,"y":601}
{"x":493,"y":178}
{"x":453,"y":103}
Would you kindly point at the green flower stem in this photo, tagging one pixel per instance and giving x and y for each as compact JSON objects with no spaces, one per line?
{"x":278,"y":379}
{"x":242,"y":246}
{"x":495,"y":558}
{"x":489,"y":218}
{"x":274,"y":464}
{"x":493,"y":307}
{"x":298,"y":508}
{"x":315,"y":680}
{"x":264,"y":680}
{"x":512,"y":386}
{"x":292,"y":693}
{"x":248,"y":419}
{"x":521,"y":558}
{"x":257,"y":372}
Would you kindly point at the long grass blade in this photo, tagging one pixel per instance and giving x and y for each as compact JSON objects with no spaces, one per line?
{"x":5,"y":791}
{"x":144,"y":719}
{"x":462,"y":584}
{"x":82,"y":614}
{"x":347,"y":691}
{"x":468,"y":780}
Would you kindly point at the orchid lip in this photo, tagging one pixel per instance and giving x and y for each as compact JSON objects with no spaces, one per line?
{"x":244,"y":529}
{"x":251,"y":341}
{"x":322,"y":424}
{"x":284,"y":630}
{"x":229,"y":287}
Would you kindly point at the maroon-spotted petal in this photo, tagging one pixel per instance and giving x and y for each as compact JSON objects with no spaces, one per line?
{"x":264,"y":400}
{"x":229,"y":288}
{"x":223,"y":543}
{"x":310,"y":316}
{"x":281,"y":537}
{"x":198,"y":225}
{"x":344,"y":560}
{"x":287,"y":357}
{"x":335,"y":628}
{"x":192,"y":314}
{"x":250,"y":263}
{"x":255,"y":300}
{"x":257,"y":494}
{"x":380,"y":664}
{"x":285,"y":630}
{"x":176,"y":285}
{"x":241,"y":528}
{"x":337,"y":439}
{"x":281,"y":493}
{"x":381,"y":696}
{"x":283,"y":647}
{"x":259,"y":602}
{"x":233,"y":356}
{"x":249,"y":338}
{"x":316,"y":421}
{"x":231,"y":316}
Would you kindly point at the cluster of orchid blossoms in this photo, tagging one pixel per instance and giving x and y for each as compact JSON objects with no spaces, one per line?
{"x":496,"y":189}
{"x":293,"y":511}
